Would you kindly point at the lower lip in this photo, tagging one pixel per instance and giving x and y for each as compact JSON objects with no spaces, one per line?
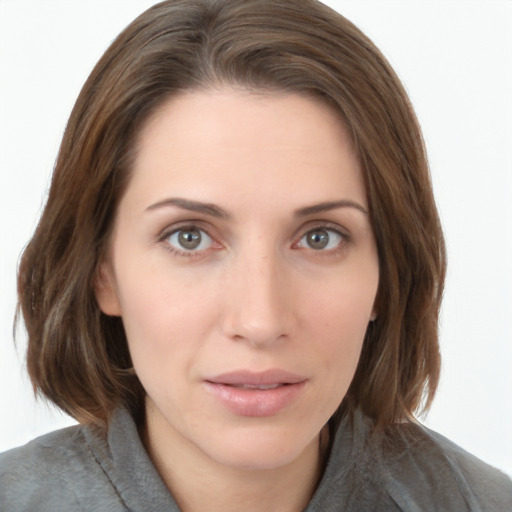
{"x":255,"y":402}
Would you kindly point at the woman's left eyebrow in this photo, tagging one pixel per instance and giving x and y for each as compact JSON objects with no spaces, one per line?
{"x":330,"y":205}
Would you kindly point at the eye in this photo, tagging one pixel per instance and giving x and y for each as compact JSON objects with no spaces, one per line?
{"x":189,"y":239}
{"x":321,"y":239}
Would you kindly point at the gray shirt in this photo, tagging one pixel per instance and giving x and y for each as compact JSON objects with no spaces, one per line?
{"x":407,"y":468}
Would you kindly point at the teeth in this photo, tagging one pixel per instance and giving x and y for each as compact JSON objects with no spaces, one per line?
{"x":257,"y":386}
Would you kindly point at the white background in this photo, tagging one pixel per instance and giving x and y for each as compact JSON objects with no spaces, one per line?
{"x":455,"y":58}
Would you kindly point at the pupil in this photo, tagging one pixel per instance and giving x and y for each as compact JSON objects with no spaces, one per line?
{"x":190,"y":239}
{"x":318,"y":239}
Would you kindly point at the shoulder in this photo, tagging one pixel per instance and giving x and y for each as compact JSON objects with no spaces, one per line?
{"x":407,"y":468}
{"x":52,"y":470}
{"x":425,"y":468}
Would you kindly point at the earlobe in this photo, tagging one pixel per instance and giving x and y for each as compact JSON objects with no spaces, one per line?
{"x":105,"y":291}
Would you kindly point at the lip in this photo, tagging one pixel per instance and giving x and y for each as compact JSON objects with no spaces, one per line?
{"x":256,"y":394}
{"x":268,"y":377}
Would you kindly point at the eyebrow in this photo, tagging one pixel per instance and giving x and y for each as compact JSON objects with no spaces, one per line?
{"x":329,"y":205}
{"x":193,"y":206}
{"x":217,"y":211}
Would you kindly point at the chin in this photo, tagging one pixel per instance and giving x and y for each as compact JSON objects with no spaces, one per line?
{"x":261,"y":449}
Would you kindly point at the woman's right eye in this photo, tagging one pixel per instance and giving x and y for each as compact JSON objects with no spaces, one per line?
{"x":189,"y":240}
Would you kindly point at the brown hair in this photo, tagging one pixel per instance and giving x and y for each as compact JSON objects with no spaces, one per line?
{"x":77,"y":356}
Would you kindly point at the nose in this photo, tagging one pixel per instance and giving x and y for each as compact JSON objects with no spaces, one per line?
{"x":259,"y":307}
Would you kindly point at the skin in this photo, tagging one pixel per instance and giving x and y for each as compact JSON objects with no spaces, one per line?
{"x":260,"y":292}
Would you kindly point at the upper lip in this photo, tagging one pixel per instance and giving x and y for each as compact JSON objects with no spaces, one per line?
{"x":251,"y":378}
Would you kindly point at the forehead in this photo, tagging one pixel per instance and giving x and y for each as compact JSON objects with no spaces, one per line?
{"x":214,"y":142}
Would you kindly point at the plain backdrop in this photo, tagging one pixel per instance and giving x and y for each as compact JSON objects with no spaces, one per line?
{"x":455,"y":58}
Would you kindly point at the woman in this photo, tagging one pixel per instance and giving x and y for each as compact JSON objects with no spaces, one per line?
{"x":236,"y":280}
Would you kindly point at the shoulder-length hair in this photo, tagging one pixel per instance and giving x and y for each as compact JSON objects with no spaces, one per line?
{"x":77,"y":356}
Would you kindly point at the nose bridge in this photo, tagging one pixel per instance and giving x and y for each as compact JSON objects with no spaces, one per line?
{"x":258,"y":310}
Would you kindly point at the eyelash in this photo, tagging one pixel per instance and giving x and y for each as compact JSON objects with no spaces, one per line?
{"x":327,"y":227}
{"x":184,"y":253}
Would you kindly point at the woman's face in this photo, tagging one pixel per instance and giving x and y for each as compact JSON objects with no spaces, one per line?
{"x":244,"y":267}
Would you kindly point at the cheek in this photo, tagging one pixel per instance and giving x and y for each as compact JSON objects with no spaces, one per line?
{"x":344,"y":307}
{"x":165,"y":316}
{"x":338,"y":335}
{"x":338,"y":319}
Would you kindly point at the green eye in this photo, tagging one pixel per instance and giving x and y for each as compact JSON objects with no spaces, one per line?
{"x":189,"y":239}
{"x":320,"y":239}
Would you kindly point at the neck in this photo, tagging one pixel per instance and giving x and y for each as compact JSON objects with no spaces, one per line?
{"x":200,"y":483}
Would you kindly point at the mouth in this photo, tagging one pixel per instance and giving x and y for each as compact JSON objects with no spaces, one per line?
{"x":255,"y":386}
{"x":257,"y":380}
{"x":260,"y":394}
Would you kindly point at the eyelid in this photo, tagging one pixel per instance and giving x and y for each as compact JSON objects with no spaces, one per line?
{"x":173,"y":227}
{"x":182,"y":226}
{"x":205,"y":239}
{"x":322,"y":225}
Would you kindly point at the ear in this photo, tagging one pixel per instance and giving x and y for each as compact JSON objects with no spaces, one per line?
{"x":105,"y":290}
